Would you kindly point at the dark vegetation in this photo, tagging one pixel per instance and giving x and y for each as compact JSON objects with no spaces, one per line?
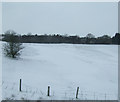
{"x":57,"y":38}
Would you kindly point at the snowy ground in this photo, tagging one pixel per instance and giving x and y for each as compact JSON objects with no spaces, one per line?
{"x":63,"y":67}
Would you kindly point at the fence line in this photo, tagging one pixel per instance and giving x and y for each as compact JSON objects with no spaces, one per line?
{"x":62,"y":93}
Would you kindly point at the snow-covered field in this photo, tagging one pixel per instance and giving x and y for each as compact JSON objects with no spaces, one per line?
{"x":63,"y":67}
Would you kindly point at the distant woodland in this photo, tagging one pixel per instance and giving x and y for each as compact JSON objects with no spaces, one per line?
{"x":57,"y":38}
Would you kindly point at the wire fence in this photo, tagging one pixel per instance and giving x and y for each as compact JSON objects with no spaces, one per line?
{"x":27,"y":92}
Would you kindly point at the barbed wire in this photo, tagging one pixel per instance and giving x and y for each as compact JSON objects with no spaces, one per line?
{"x":61,"y":93}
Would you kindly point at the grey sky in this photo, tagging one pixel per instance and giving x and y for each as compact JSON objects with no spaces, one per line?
{"x":61,"y":17}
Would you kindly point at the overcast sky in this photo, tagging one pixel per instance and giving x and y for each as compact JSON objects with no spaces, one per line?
{"x":64,"y":18}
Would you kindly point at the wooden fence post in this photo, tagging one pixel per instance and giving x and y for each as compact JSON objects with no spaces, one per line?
{"x":48,"y":93}
{"x":20,"y":87}
{"x":77,"y":92}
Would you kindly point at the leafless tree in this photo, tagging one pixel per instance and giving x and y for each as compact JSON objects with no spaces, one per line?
{"x":12,"y":48}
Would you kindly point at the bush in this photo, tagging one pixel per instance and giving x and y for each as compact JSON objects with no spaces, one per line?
{"x":13,"y":47}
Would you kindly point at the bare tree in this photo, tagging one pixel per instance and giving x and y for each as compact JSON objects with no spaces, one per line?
{"x":13,"y":47}
{"x":90,"y":35}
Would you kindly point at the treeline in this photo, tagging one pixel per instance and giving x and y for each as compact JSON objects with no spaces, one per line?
{"x":57,"y":38}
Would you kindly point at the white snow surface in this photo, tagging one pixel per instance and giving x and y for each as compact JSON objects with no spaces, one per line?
{"x":63,"y":67}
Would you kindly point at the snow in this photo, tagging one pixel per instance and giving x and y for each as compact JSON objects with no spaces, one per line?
{"x":63,"y":67}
